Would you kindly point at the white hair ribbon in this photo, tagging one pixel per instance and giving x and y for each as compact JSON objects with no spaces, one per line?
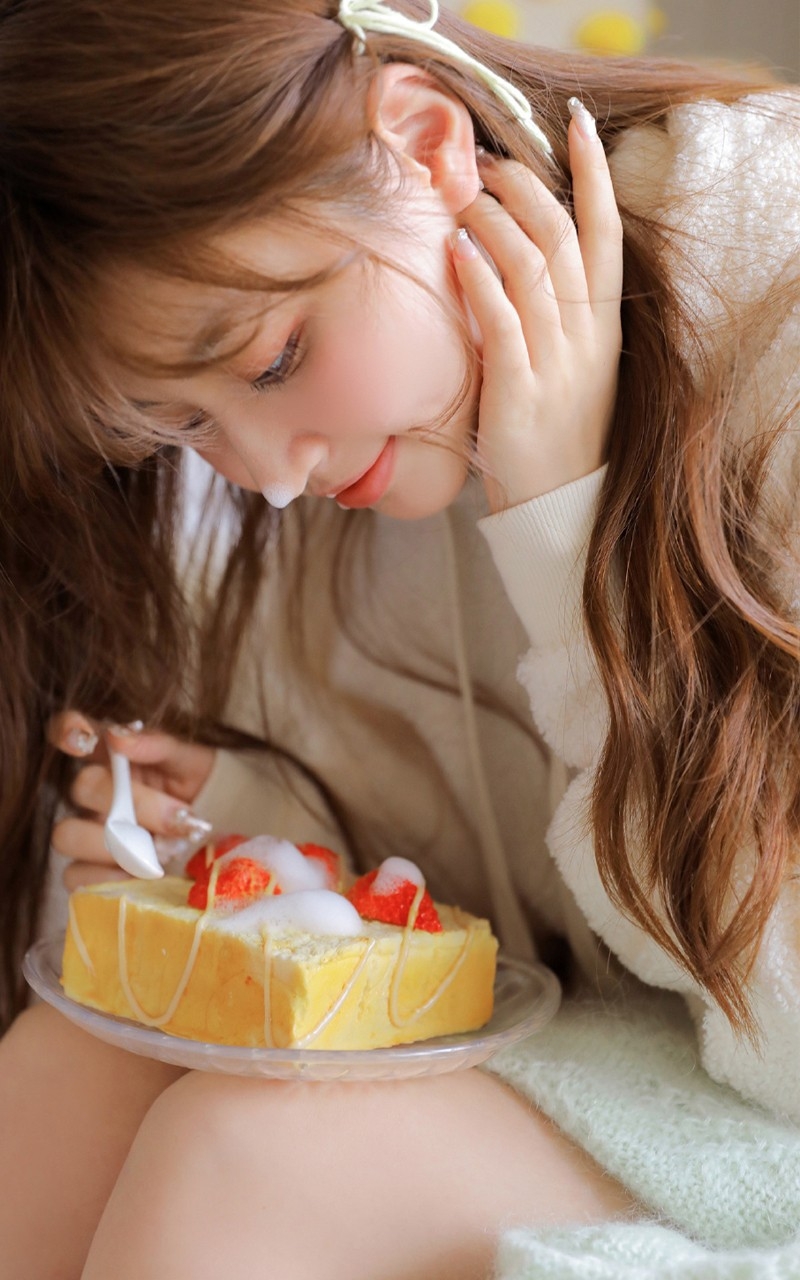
{"x":361,"y":16}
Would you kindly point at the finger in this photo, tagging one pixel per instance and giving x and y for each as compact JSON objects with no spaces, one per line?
{"x":78,"y":874}
{"x":160,"y":813}
{"x":81,"y":839}
{"x":526,"y":285}
{"x":179,"y":761}
{"x":520,"y":315}
{"x":75,"y":734}
{"x":504,"y":347}
{"x":596,"y":212}
{"x":547,"y":223}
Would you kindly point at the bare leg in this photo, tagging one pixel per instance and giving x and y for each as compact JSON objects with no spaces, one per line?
{"x":70,"y":1108}
{"x":406,"y":1180}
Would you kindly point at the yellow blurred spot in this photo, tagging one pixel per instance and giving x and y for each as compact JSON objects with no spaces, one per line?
{"x":611,"y":32}
{"x":657,"y":22}
{"x":497,"y":16}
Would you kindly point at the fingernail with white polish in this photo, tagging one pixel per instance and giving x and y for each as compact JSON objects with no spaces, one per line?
{"x":168,"y":848}
{"x":127,"y":730}
{"x":587,"y":125}
{"x":182,"y":846}
{"x":184,"y":823}
{"x":81,"y":741}
{"x":463,"y":247}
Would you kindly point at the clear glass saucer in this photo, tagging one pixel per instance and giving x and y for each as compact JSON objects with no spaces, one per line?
{"x":526,"y":998}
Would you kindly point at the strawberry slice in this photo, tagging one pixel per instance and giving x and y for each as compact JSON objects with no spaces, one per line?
{"x":239,"y":880}
{"x":201,"y":862}
{"x":331,"y":860}
{"x":393,"y":908}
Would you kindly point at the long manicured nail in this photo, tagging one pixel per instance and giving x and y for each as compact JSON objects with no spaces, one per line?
{"x":182,"y":846}
{"x":184,"y":823}
{"x":168,"y":848}
{"x":81,"y":741}
{"x":587,"y":125}
{"x":463,"y":247}
{"x":127,"y":730}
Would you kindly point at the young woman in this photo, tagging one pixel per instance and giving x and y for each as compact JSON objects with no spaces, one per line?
{"x":250,"y":232}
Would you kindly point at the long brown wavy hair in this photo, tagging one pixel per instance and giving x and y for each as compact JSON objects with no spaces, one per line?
{"x":139,"y":131}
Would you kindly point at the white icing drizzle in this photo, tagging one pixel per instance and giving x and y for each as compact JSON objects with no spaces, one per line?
{"x":448,"y":977}
{"x":182,"y":984}
{"x":397,"y":1019}
{"x":78,"y":938}
{"x":212,"y":886}
{"x":268,"y":1038}
{"x":305,"y":1040}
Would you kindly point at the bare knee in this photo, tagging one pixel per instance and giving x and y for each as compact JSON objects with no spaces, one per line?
{"x":423,"y":1174}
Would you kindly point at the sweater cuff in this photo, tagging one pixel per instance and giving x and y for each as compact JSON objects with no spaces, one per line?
{"x":539,"y":548}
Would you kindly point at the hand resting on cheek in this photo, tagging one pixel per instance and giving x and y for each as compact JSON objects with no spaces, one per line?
{"x":550,"y":326}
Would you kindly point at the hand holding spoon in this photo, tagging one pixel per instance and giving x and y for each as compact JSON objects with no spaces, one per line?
{"x":129,"y":844}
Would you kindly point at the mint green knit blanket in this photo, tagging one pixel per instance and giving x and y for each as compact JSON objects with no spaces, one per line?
{"x":720,"y":1178}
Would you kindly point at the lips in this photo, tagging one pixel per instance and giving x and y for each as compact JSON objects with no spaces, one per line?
{"x":370,"y":487}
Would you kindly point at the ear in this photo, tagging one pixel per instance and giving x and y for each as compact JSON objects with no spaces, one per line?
{"x":429,"y":132}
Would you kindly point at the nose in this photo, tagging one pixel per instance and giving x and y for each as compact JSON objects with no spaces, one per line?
{"x":279,"y":464}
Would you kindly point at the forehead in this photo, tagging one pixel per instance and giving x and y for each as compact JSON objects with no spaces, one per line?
{"x":149,"y":314}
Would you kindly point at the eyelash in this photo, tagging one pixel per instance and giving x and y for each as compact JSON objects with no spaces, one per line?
{"x":288,"y":363}
{"x":172,"y":425}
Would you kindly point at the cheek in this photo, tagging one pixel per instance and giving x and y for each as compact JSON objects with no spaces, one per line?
{"x":389,"y":372}
{"x":346,"y":395}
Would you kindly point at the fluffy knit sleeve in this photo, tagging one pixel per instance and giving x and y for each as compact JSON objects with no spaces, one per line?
{"x":726,"y":181}
{"x":718,"y":1181}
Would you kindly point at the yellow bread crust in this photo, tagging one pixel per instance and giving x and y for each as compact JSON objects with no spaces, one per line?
{"x":178,"y":971}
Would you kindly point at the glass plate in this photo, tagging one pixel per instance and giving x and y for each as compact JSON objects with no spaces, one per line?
{"x":526,"y":998}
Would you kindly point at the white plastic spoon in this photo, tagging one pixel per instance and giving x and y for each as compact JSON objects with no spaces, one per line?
{"x":130,"y":845}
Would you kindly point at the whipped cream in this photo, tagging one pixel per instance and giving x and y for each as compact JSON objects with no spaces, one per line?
{"x":292,"y":871}
{"x":316,"y":911}
{"x":393,"y":872}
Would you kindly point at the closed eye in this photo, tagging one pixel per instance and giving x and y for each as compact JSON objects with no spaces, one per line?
{"x":283,"y":366}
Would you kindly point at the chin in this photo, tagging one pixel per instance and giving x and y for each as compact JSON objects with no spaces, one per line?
{"x":427,"y":480}
{"x":423,"y":501}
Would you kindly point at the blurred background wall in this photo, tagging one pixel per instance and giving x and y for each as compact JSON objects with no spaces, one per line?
{"x":765,"y":32}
